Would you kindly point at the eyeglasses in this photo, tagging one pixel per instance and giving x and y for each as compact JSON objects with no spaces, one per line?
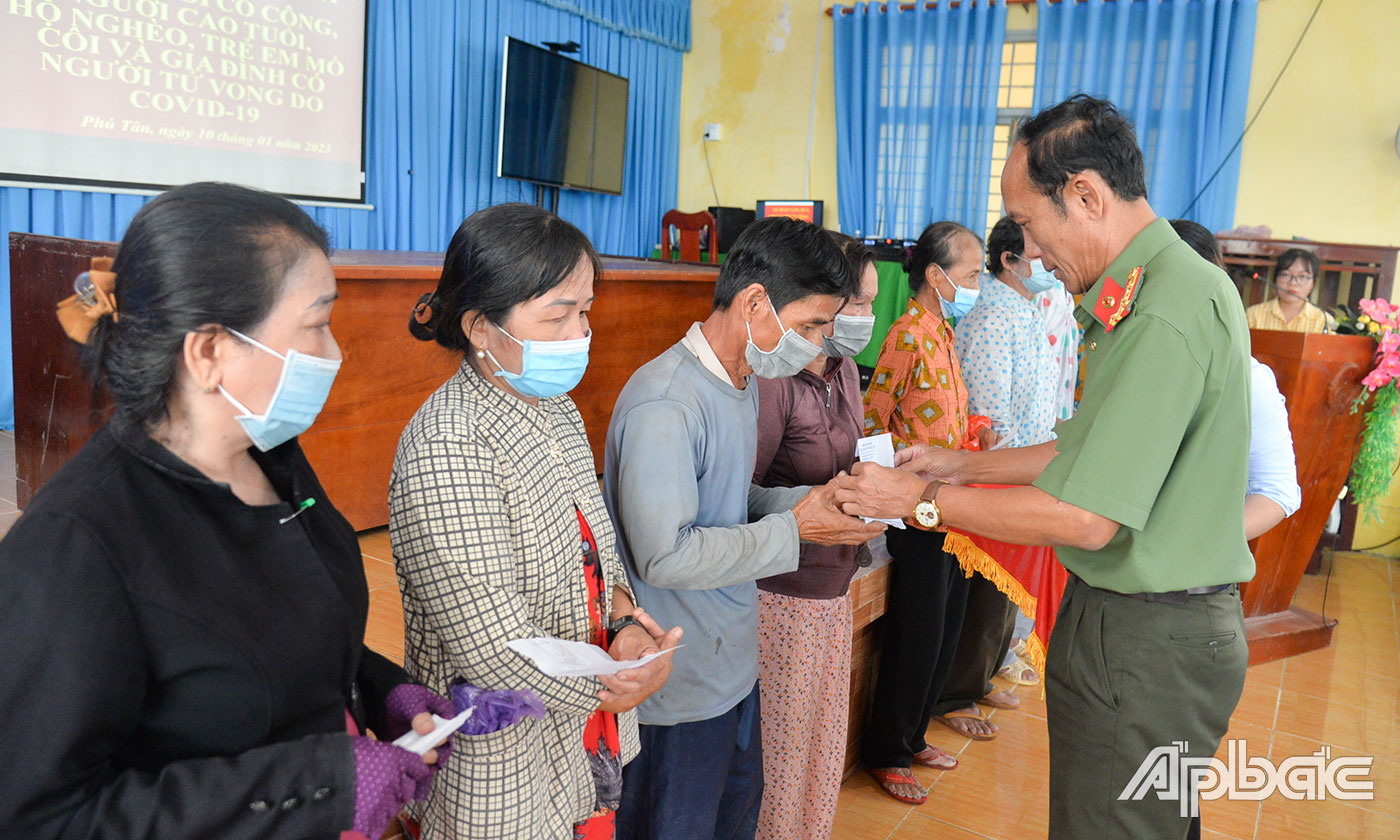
{"x":1294,"y":279}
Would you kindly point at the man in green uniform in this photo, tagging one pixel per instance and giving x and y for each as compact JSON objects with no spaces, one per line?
{"x":1142,"y":494}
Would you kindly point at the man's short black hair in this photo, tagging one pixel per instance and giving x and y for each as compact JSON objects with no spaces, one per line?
{"x":1078,"y":135}
{"x":1005,"y":238}
{"x":791,"y":259}
{"x":1286,"y":260}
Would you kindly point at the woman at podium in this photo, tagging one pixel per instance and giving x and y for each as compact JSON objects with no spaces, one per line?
{"x":1295,"y":274}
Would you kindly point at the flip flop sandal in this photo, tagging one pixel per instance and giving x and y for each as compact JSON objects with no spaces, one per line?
{"x":1020,"y":674}
{"x":929,"y":757}
{"x":947,"y":720}
{"x":887,"y":779}
{"x":1013,"y":703}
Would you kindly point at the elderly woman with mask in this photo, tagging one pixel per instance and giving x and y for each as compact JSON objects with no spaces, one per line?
{"x":808,"y":425}
{"x":184,"y":609}
{"x":500,"y":533}
{"x":917,"y":394}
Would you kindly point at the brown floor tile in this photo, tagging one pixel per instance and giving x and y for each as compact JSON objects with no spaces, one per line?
{"x":1258,"y":704}
{"x":920,"y":826}
{"x":1011,"y":771}
{"x":1285,"y":818}
{"x":1384,"y":772}
{"x":380,"y":574}
{"x":1209,"y":834}
{"x":866,"y":814}
{"x":1374,"y":662}
{"x":1269,"y":673}
{"x":1230,"y":818}
{"x":384,"y":631}
{"x":1371,"y":727}
{"x":376,"y":544}
{"x":1330,"y":681}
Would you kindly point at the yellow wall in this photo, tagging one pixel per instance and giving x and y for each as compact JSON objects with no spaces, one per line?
{"x":750,"y":69}
{"x":1321,"y":161}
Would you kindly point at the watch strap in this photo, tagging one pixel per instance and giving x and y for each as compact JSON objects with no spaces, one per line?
{"x":617,"y":624}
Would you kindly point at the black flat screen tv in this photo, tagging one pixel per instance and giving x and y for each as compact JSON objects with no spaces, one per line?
{"x":563,"y":123}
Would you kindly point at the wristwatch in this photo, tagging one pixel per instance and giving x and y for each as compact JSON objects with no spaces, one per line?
{"x":615,"y":626}
{"x":926,"y":512}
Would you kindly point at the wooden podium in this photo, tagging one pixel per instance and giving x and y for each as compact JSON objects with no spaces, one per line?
{"x":1320,"y":375}
{"x":642,"y":307}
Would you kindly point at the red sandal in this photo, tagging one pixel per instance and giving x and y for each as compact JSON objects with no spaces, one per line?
{"x":887,"y":779}
{"x":929,"y":755}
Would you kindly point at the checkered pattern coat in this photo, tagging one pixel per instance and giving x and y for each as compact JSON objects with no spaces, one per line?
{"x":487,"y":547}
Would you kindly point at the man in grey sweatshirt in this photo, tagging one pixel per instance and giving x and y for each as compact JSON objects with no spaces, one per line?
{"x":695,"y":533}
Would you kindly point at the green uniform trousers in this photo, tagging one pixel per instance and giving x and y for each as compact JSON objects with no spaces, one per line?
{"x":1123,"y":677}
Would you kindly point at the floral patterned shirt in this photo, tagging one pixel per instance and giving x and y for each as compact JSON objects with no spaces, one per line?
{"x":917,"y":392}
{"x":1056,"y":307}
{"x":1010,"y":365}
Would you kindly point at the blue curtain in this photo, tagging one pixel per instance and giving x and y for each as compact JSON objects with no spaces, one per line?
{"x":1179,"y":69}
{"x":916,"y":107}
{"x":433,"y":89}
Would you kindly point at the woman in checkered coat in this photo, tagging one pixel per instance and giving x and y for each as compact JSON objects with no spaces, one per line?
{"x":499,"y":533}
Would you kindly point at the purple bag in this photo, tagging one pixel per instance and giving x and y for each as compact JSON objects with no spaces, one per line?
{"x":495,"y":710}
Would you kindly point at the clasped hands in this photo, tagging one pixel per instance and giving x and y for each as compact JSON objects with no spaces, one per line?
{"x":891,"y":493}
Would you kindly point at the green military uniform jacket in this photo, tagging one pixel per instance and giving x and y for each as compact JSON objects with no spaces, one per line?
{"x":1160,"y":443}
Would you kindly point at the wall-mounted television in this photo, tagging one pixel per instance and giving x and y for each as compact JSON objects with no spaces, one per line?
{"x":563,"y":122}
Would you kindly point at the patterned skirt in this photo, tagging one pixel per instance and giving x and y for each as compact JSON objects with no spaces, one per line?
{"x":804,"y":676}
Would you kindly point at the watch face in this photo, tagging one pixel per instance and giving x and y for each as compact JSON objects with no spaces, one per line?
{"x":926,"y":513}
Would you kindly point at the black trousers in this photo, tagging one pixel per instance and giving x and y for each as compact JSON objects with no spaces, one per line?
{"x":923,"y":616}
{"x":986,"y":635}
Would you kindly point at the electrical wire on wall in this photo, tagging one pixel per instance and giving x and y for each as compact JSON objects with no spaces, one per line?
{"x":705,"y":144}
{"x":1257,"y":112}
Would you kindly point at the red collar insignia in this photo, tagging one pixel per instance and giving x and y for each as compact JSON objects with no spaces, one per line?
{"x":1115,"y":301}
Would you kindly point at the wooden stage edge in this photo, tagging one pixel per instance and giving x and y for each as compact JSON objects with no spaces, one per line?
{"x":1286,"y":633}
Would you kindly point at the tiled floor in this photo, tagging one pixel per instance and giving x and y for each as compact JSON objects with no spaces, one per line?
{"x":1346,"y":696}
{"x":9,"y":511}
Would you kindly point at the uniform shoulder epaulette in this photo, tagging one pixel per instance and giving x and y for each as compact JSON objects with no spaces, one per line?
{"x":1115,"y":301}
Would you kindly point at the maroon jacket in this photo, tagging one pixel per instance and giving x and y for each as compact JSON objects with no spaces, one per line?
{"x":807,"y":431}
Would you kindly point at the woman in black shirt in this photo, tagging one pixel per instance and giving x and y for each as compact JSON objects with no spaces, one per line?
{"x":182,"y":624}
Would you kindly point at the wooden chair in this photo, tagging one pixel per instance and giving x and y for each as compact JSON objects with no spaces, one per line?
{"x":689,"y":225}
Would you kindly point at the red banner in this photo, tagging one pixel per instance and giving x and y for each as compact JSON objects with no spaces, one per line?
{"x":1030,"y":575}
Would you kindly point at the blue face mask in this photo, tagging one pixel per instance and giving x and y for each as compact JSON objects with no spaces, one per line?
{"x":1039,"y":280}
{"x":963,"y":299}
{"x":547,"y":368}
{"x":301,"y":393}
